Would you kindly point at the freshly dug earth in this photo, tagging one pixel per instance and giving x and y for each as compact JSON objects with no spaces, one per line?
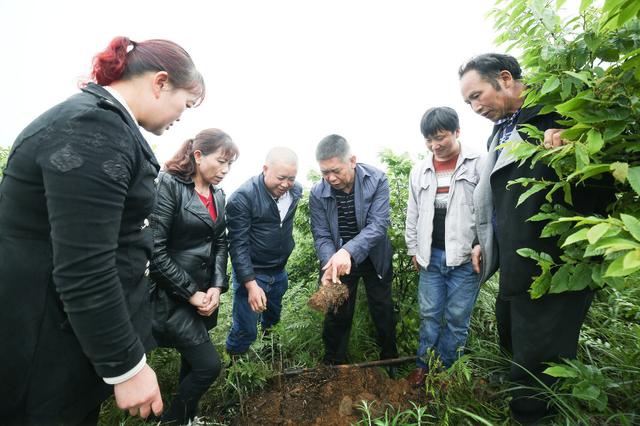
{"x":328,"y":396}
{"x":329,"y":297}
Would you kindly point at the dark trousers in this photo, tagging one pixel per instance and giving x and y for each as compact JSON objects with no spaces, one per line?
{"x":535,"y":332}
{"x":337,"y":327}
{"x":200,"y":366}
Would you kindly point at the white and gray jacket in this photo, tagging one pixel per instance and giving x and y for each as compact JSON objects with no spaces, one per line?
{"x":460,"y":230}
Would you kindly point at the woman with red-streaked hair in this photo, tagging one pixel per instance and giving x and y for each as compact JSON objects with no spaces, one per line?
{"x":74,"y":241}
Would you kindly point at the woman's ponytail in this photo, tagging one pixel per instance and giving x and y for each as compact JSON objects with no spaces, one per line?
{"x":109,"y":65}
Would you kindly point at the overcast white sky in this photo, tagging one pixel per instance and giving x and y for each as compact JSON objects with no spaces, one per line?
{"x":278,"y":72}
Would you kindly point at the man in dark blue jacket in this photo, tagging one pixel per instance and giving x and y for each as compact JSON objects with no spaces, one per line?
{"x":349,"y":220}
{"x":260,"y":225}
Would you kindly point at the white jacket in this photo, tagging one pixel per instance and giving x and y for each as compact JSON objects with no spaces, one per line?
{"x":460,"y":229}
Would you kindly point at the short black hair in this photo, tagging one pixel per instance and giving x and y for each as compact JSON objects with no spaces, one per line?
{"x":333,"y":146}
{"x":438,"y":119}
{"x":489,"y":66}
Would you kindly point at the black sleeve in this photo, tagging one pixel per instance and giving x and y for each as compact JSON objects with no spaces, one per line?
{"x":164,"y":271}
{"x":87,"y":165}
{"x":239,"y":225}
{"x":220,"y":278}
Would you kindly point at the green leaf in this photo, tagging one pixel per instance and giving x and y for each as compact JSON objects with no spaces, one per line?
{"x":591,"y":40}
{"x":553,"y":228}
{"x":586,"y":391}
{"x":583,"y":76}
{"x":560,"y":371}
{"x":540,"y":284}
{"x":541,"y":257}
{"x":594,"y":141}
{"x":561,"y":279}
{"x":617,"y":269}
{"x":634,"y":178}
{"x":584,"y":4}
{"x":628,"y":11}
{"x":614,"y":129}
{"x":575,"y":103}
{"x":581,"y":277}
{"x":550,"y":85}
{"x":596,"y":232}
{"x":536,"y":187}
{"x":582,"y":156}
{"x":632,"y":224}
{"x":566,"y":190}
{"x":590,"y":171}
{"x":613,"y":244}
{"x":632,"y":260}
{"x":566,"y":88}
{"x":579,"y":235}
{"x":620,"y":171}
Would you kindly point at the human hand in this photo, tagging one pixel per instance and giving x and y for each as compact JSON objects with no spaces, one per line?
{"x":212,"y":300}
{"x":552,"y":138}
{"x":416,"y":266}
{"x":476,"y":258}
{"x":338,"y":265}
{"x":140,"y":394}
{"x":327,"y":278}
{"x":257,"y":298}
{"x":199,"y":299}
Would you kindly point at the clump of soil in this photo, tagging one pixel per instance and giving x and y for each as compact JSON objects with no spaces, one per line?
{"x":328,"y":396}
{"x":329,"y":297}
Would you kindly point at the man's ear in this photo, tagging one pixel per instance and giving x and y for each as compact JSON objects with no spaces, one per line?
{"x":160,"y":82}
{"x":506,"y":79}
{"x":352,"y":161}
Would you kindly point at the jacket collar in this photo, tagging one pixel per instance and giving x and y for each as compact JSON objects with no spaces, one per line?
{"x":525,"y":115}
{"x":361,"y":173}
{"x":296,"y":189}
{"x":189,"y":181}
{"x":107,"y":101}
{"x":464,"y":154}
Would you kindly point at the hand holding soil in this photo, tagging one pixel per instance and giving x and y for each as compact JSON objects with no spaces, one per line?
{"x":329,"y":297}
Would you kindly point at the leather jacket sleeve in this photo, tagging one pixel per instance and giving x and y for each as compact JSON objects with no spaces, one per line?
{"x":239,"y":226}
{"x":220,"y":278}
{"x":164,"y":271}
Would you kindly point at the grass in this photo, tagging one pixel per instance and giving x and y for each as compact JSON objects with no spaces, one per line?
{"x":477,"y":391}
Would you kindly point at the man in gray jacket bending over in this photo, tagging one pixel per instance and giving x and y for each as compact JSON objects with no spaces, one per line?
{"x":440,"y":232}
{"x":349,"y":220}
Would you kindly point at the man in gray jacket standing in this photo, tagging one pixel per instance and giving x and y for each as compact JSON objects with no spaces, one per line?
{"x":440,"y":233}
{"x":349,"y":220}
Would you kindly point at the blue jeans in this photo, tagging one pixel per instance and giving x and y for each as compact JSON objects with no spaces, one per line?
{"x":244,"y":328}
{"x":446,"y":296}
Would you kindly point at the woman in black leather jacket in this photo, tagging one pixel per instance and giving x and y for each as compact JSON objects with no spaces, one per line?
{"x":189,"y":262}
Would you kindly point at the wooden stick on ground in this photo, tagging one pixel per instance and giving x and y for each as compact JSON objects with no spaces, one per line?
{"x":383,"y":362}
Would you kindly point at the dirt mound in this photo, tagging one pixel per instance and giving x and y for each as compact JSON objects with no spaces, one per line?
{"x":329,"y":297}
{"x":328,"y":396}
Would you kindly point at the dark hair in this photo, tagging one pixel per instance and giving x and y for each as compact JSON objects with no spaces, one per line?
{"x":438,"y":119}
{"x":125,"y":58}
{"x":333,"y":146}
{"x":207,"y":141}
{"x":489,"y":66}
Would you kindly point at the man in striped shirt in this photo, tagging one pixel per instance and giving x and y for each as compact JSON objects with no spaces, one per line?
{"x":349,"y":219}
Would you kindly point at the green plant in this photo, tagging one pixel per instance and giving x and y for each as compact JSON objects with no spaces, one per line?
{"x":4,"y":155}
{"x":586,"y":67}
